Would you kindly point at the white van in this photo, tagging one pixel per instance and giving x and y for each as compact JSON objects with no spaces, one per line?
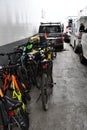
{"x":83,"y":48}
{"x":75,"y":34}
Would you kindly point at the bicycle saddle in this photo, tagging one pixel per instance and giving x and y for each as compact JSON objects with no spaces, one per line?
{"x":12,"y":104}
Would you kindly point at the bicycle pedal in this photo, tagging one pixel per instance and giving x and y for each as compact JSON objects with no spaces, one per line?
{"x":52,"y":83}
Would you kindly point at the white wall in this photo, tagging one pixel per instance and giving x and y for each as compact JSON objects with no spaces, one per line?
{"x":18,"y":19}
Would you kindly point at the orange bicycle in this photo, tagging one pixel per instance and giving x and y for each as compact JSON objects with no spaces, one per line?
{"x":13,"y":87}
{"x":11,"y":79}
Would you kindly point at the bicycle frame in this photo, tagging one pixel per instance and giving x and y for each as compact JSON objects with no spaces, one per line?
{"x":16,"y":91}
{"x":11,"y":113}
{"x":15,"y":88}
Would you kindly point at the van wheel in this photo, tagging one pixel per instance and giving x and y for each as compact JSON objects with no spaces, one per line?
{"x":76,"y":48}
{"x":82,"y":59}
{"x":70,"y":44}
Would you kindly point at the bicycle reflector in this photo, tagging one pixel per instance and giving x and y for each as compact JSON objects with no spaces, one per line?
{"x":45,"y":66}
{"x":1,"y":93}
{"x":11,"y":113}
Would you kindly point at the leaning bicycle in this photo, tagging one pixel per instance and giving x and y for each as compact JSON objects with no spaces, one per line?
{"x":45,"y":78}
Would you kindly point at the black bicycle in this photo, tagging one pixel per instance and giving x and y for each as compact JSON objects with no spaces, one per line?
{"x":45,"y":77}
{"x":9,"y":119}
{"x":26,"y":70}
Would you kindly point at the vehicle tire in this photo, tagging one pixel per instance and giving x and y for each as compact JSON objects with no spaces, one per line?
{"x":62,"y":46}
{"x":75,"y":49}
{"x":67,"y":41}
{"x":44,"y":93}
{"x":70,"y":44}
{"x":82,"y":59}
{"x":55,"y":54}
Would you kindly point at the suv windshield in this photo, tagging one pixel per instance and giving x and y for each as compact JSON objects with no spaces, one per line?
{"x":50,"y":29}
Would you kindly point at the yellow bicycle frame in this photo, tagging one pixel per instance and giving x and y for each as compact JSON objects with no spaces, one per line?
{"x":16,"y":91}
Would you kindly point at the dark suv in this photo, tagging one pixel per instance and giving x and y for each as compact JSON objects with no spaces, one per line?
{"x":54,"y":33}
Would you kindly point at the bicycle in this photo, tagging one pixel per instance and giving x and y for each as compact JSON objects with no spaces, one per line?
{"x":18,"y":89}
{"x":9,"y":119}
{"x":40,"y":66}
{"x":45,"y":77}
{"x":10,"y":72}
{"x":26,"y":71}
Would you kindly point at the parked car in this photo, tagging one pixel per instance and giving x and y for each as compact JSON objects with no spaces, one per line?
{"x":54,"y":33}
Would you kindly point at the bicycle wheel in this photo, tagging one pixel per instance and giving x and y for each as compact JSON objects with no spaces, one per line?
{"x":23,"y":120}
{"x":4,"y":118}
{"x":25,"y":116}
{"x":1,"y":123}
{"x":18,"y":122}
{"x":23,"y":76}
{"x":50,"y":85}
{"x":38,"y":81}
{"x":44,"y":92}
{"x":31,"y":73}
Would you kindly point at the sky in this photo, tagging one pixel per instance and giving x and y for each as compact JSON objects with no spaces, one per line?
{"x":59,"y":10}
{"x":50,"y":10}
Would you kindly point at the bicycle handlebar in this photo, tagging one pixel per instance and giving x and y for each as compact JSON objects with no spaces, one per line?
{"x":10,"y":53}
{"x":9,"y":66}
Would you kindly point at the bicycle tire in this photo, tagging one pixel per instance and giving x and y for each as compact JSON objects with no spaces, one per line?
{"x":1,"y":123}
{"x":31,"y":73}
{"x":23,"y":76}
{"x":4,"y":118}
{"x":50,"y":85}
{"x":38,"y":81}
{"x":25,"y":116}
{"x":44,"y":93}
{"x":22,"y":127}
{"x":24,"y":123}
{"x":19,"y":122}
